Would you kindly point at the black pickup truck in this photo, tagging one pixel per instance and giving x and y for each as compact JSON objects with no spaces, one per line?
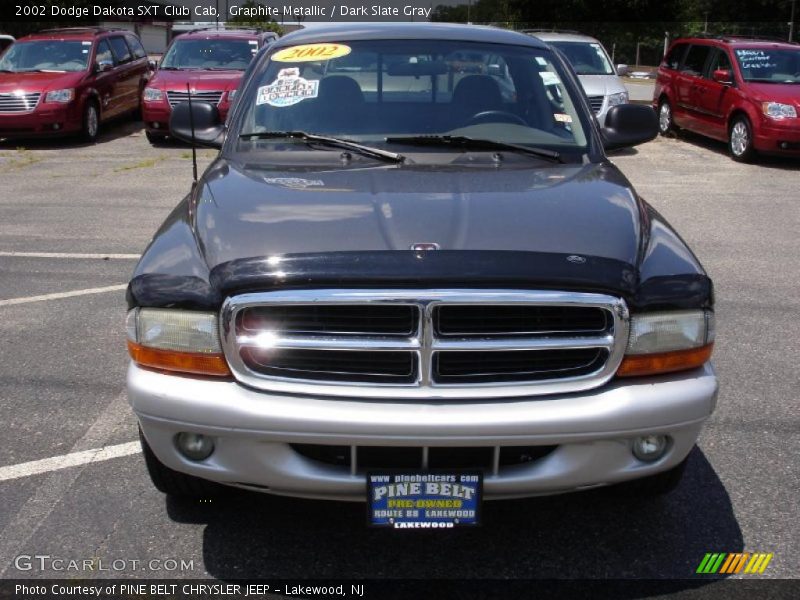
{"x":417,"y":286}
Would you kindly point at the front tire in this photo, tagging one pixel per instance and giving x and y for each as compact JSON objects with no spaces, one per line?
{"x":175,"y":484}
{"x":155,"y":138}
{"x":91,"y":122}
{"x":740,"y":140}
{"x":666,"y":121}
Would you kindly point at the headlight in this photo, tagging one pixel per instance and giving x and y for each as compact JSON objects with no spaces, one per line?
{"x":614,"y":99}
{"x":232,"y":95}
{"x":176,"y":340}
{"x":152,"y":94}
{"x":65,"y":95}
{"x":668,"y":341}
{"x":776,"y":110}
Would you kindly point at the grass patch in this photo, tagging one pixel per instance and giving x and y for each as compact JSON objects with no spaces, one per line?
{"x":142,"y":164}
{"x":17,"y":160}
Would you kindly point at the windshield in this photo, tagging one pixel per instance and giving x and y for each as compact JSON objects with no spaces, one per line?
{"x":586,"y":58}
{"x":212,"y":54}
{"x":46,"y":55}
{"x":372,"y":90}
{"x":769,"y":65}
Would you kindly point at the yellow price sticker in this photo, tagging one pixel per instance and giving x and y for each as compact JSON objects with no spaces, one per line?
{"x":309,"y":52}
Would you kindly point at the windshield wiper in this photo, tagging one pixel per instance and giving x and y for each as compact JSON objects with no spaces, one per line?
{"x":333,"y":142}
{"x":469,"y":143}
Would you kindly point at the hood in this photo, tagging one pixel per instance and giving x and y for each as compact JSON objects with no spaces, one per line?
{"x":199,"y":80}
{"x":601,"y":85}
{"x":248,"y":210}
{"x":38,"y":82}
{"x":786,"y":93}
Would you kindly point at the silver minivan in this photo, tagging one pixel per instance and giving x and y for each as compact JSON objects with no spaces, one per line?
{"x":590,"y":60}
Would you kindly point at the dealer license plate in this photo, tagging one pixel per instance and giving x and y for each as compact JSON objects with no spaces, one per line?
{"x":423,"y":500}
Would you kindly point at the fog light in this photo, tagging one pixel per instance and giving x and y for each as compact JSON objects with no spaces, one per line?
{"x":56,"y":126}
{"x":650,"y":448}
{"x":194,"y":446}
{"x":156,"y":125}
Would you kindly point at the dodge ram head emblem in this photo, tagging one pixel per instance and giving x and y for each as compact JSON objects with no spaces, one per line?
{"x":425,"y":246}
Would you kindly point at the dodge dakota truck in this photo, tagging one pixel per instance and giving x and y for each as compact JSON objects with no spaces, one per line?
{"x":416,"y":286}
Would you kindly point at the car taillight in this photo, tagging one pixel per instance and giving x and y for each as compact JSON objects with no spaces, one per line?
{"x":176,"y":340}
{"x":663,"y":342}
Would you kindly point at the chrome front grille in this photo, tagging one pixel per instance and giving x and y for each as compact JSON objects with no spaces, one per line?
{"x":16,"y":102}
{"x":448,"y":343}
{"x":596,"y":103}
{"x":175,"y":98}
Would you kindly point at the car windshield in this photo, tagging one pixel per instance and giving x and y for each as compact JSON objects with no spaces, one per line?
{"x":586,"y":58}
{"x":369,"y":91}
{"x":47,"y":55}
{"x":219,"y":54}
{"x":769,"y":65}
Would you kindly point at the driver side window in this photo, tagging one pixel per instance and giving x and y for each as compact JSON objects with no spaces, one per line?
{"x":104,"y":55}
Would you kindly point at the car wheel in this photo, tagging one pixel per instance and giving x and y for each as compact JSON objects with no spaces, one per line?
{"x":155,"y":138}
{"x":740,"y":140}
{"x":91,"y":122}
{"x":654,"y":485}
{"x":173,"y":483}
{"x":666,"y":124}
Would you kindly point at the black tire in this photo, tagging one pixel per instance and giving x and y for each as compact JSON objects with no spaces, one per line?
{"x":654,"y":485}
{"x":173,"y":483}
{"x":740,"y":139}
{"x":155,"y":138}
{"x":666,"y":120}
{"x":91,"y":122}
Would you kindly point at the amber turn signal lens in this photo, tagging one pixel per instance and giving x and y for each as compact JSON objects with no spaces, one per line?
{"x":664,"y":362}
{"x":196,"y":363}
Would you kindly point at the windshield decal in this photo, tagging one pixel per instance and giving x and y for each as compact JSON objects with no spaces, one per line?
{"x":562,"y":118}
{"x":309,"y":52}
{"x":754,"y":59}
{"x":549,"y":78}
{"x":288,"y":89}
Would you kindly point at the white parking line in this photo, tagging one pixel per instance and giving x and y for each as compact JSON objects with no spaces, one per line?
{"x":35,"y":467}
{"x":68,"y":255}
{"x":57,"y":295}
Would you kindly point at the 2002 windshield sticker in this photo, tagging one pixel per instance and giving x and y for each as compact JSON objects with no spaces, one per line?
{"x":288,"y":89}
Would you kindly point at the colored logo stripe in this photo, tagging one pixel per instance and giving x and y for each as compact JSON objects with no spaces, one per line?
{"x":730,"y":563}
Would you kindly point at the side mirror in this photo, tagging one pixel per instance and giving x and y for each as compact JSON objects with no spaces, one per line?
{"x":152,"y":65}
{"x":208,"y":128}
{"x":722,"y":76}
{"x":629,"y":125}
{"x":622,"y":70}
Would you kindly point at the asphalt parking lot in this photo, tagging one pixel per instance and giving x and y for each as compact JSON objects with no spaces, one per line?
{"x":72,"y":220}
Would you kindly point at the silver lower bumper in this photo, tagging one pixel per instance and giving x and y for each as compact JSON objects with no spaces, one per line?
{"x":253,"y":429}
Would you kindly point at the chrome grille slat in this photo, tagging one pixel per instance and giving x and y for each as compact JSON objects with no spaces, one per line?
{"x":596,"y":103}
{"x":213,"y":96}
{"x":543,"y":363}
{"x":19,"y":102}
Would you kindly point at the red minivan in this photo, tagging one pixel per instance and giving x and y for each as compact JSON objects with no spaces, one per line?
{"x":210,"y":61}
{"x":62,"y":81}
{"x":742,"y":91}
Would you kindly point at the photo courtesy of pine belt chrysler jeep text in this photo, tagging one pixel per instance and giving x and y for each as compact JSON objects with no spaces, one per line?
{"x":410,"y":283}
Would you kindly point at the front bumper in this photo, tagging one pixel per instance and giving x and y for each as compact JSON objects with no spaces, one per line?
{"x":46,"y":120}
{"x":778,"y":137}
{"x":253,"y":430}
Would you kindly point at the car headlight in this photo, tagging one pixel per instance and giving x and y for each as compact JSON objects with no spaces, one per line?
{"x":152,"y":94}
{"x":662,"y":342}
{"x":176,"y":340}
{"x":614,"y":99}
{"x":232,"y":95}
{"x":65,"y":95}
{"x":776,"y":110}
